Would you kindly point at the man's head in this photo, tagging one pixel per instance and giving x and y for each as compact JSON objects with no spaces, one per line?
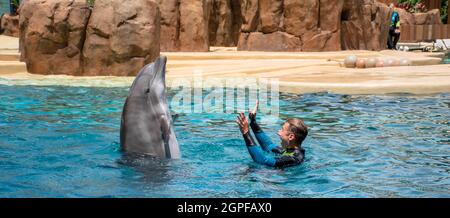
{"x":293,"y":132}
{"x":391,"y":5}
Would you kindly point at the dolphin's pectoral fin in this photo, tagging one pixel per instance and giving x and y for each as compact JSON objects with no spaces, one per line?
{"x":165,"y":134}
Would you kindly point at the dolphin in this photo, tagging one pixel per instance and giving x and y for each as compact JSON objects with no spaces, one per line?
{"x":146,"y":124}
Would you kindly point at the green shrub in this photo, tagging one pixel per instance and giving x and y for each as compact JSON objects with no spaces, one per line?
{"x":417,"y":6}
{"x":90,"y":3}
{"x":414,"y":2}
{"x":15,"y":3}
{"x":444,"y":11}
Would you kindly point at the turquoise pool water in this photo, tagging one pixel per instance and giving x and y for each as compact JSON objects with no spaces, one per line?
{"x":446,"y":59}
{"x":64,"y":142}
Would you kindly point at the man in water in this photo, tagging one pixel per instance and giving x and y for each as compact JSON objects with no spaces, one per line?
{"x":394,"y":29}
{"x":292,"y":134}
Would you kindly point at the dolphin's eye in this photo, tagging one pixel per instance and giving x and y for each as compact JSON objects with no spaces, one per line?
{"x":147,"y":91}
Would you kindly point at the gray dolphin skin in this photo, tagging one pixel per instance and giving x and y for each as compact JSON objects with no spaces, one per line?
{"x":146,"y":125}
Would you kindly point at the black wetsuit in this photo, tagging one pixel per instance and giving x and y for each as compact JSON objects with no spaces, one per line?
{"x":393,"y":36}
{"x":285,"y":157}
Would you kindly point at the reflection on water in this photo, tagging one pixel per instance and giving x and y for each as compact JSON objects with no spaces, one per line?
{"x":64,"y":142}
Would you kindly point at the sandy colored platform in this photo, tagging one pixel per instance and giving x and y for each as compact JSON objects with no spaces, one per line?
{"x":8,"y":44}
{"x":295,"y":72}
{"x":317,"y":71}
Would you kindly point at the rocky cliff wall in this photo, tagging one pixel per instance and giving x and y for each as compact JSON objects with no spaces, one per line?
{"x":118,"y":37}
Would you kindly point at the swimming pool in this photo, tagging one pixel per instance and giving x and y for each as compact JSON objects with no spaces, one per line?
{"x":446,"y":59}
{"x":60,"y":141}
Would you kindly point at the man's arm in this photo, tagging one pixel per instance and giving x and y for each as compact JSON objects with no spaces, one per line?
{"x":264,"y":140}
{"x":257,"y":153}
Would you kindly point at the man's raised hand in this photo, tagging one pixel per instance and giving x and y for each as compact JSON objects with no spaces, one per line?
{"x":252,"y":114}
{"x":242,"y":123}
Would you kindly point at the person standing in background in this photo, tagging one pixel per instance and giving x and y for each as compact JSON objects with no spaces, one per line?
{"x":394,"y":29}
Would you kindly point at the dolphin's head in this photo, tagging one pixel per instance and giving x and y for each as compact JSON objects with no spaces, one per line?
{"x":150,"y":82}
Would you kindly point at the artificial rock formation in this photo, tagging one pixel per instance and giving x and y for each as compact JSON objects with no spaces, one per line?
{"x":225,"y":22}
{"x":122,"y":36}
{"x":184,"y":24}
{"x":194,"y":34}
{"x":118,"y":37}
{"x":364,"y":25}
{"x":428,"y":18}
{"x":406,"y":18}
{"x":52,"y":34}
{"x":314,"y":25}
{"x":194,"y":25}
{"x":9,"y":25}
{"x":321,"y":25}
{"x":291,"y":25}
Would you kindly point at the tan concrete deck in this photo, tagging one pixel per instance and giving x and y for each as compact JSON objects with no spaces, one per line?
{"x":296,"y":72}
